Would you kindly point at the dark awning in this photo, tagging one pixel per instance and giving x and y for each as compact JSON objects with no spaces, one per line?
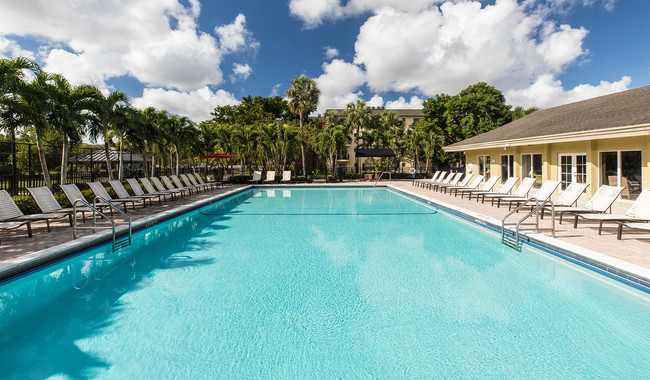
{"x":382,"y":152}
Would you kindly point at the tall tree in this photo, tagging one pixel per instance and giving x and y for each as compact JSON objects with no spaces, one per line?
{"x":69,"y":113}
{"x":330,"y":139}
{"x":303,"y":100}
{"x":520,"y":112}
{"x":109,"y":112}
{"x":357,"y":117}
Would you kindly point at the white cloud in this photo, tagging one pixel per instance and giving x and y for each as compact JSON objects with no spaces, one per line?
{"x":241,"y":71}
{"x":331,"y":52}
{"x":10,"y":49}
{"x":274,"y":90}
{"x":375,"y":101}
{"x":446,"y":49}
{"x":315,"y":12}
{"x":196,"y":104}
{"x":414,"y":103}
{"x":235,"y":37}
{"x":339,"y":84}
{"x":547,"y":92}
{"x":156,"y":42}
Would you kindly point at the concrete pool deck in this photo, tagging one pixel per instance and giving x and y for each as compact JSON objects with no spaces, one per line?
{"x":631,"y":254}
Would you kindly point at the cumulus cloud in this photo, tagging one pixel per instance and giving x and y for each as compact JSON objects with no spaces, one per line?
{"x":445,"y":49}
{"x":331,"y":52}
{"x":235,"y":37}
{"x":315,"y":12}
{"x":196,"y":104}
{"x":241,"y":71}
{"x":156,"y":42}
{"x":10,"y":48}
{"x":339,"y":84}
{"x":400,"y":103}
{"x":549,"y":92}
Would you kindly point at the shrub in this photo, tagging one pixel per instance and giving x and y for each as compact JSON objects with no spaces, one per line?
{"x":26,"y":204}
{"x":331,"y":178}
{"x":240,"y":178}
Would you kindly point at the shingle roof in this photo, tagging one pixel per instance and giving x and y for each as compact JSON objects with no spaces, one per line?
{"x":626,"y":108}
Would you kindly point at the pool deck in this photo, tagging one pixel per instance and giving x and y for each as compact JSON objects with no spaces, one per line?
{"x":631,"y":254}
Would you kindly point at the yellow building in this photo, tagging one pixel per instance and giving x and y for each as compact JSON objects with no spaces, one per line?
{"x":600,"y":141}
{"x":346,"y":158}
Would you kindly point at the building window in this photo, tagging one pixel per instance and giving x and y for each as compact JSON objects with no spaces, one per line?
{"x":415,"y":120}
{"x":531,"y":166}
{"x":507,"y":167}
{"x":622,"y":168}
{"x":484,"y":166}
{"x":572,"y":169}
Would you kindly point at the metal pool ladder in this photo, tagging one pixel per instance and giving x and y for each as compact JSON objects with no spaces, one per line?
{"x":512,"y":239}
{"x":382,"y":173}
{"x":117,"y":244}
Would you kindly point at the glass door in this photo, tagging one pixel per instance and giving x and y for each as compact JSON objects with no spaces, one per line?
{"x":507,"y":167}
{"x":572,"y":168}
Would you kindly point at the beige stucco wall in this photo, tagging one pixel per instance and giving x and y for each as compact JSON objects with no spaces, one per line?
{"x":551,"y":152}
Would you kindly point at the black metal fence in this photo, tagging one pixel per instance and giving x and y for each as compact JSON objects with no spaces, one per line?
{"x":20,"y":167}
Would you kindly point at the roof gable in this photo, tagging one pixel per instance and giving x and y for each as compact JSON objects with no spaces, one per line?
{"x":626,"y":108}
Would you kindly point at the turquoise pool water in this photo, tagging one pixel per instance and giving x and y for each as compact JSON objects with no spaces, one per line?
{"x":318,"y":283}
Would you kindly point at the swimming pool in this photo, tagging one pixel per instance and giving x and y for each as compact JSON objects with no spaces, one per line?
{"x":321,"y":283}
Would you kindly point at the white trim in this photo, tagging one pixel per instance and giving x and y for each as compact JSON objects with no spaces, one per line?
{"x":595,"y":134}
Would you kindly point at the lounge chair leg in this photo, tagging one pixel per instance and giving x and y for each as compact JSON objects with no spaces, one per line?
{"x":561,"y":213}
{"x":619,"y":233}
{"x":600,"y":227}
{"x":70,"y":219}
{"x":29,"y":229}
{"x":575,"y":222}
{"x":48,"y":225}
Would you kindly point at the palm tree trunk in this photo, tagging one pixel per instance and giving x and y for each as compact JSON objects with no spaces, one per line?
{"x":177,"y":162}
{"x":41,"y":158}
{"x":64,"y":160}
{"x":302,"y":148}
{"x":153,"y":163}
{"x":145,"y":162}
{"x":109,"y":168}
{"x":121,"y":164}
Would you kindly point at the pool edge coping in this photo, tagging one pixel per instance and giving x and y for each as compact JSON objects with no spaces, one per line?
{"x":22,"y":264}
{"x":618,"y":269}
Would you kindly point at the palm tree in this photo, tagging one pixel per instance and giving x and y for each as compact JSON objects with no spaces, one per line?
{"x":69,"y":113}
{"x":108,"y":111}
{"x":357,"y":117}
{"x":33,"y":109}
{"x":331,"y":138}
{"x":303,"y":100}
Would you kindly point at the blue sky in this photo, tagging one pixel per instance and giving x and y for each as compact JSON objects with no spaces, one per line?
{"x":189,"y":56}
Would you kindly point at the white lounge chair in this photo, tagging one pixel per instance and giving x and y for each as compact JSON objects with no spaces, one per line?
{"x":257,"y":177}
{"x":73,"y":193}
{"x":542,"y":195}
{"x":135,"y":186}
{"x":598,"y":204}
{"x":168,"y":186}
{"x":441,"y":181}
{"x":460,"y":185}
{"x":176,"y":185}
{"x":487,"y":186}
{"x":270,"y":176}
{"x":286,"y":176}
{"x":48,"y":204}
{"x":638,"y":212}
{"x":11,"y":216}
{"x":505,"y":189}
{"x":123,"y":194}
{"x":213,"y":184}
{"x":521,"y":192}
{"x":100,"y":192}
{"x":452,"y":183}
{"x":636,"y":225}
{"x":159,"y":189}
{"x":569,"y":196}
{"x":185,"y":183}
{"x":422,"y":182}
